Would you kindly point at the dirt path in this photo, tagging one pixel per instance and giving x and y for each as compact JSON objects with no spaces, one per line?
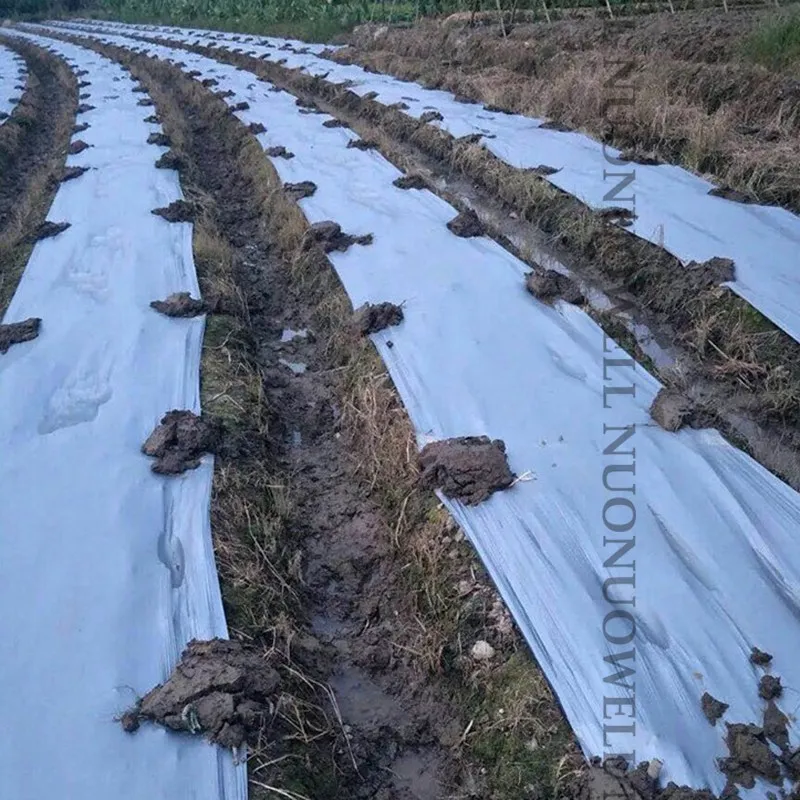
{"x":33,"y":148}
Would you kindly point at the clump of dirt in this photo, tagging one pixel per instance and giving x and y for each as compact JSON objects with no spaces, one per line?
{"x":153,"y":118}
{"x":220,"y":689}
{"x":18,"y":332}
{"x":180,"y":304}
{"x":255,"y":128}
{"x":80,"y":128}
{"x":769,"y":687}
{"x":179,"y":440}
{"x":549,"y":285}
{"x":413,"y":181}
{"x":78,"y":146}
{"x":47,"y":230}
{"x":84,"y":107}
{"x":279,"y":152}
{"x":70,"y":173}
{"x":466,"y":225}
{"x":333,"y":123}
{"x":177,"y":211}
{"x":712,"y":708}
{"x":635,"y":155}
{"x":712,"y":272}
{"x":297,"y":191}
{"x":617,"y":215}
{"x":759,"y":657}
{"x":170,"y":160}
{"x":328,"y":235}
{"x":225,"y":93}
{"x":468,"y":468}
{"x":371,"y":318}
{"x":776,"y":726}
{"x":750,"y":757}
{"x":160,"y":139}
{"x":209,"y":82}
{"x":309,"y":105}
{"x":734,"y":195}
{"x":552,"y":125}
{"x":362,"y":144}
{"x":430,"y":116}
{"x":145,"y":101}
{"x":542,"y":170}
{"x":672,"y":410}
{"x":243,"y":106}
{"x":139,"y":89}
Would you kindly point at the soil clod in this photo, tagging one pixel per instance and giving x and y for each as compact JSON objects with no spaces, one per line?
{"x":170,"y":160}
{"x":177,"y":211}
{"x":179,"y":440}
{"x":466,"y":225}
{"x":672,"y":410}
{"x":759,"y":657}
{"x":145,"y":101}
{"x":361,"y":144}
{"x":468,"y":468}
{"x":180,"y":304}
{"x":371,"y":318}
{"x":776,"y":725}
{"x":18,"y":332}
{"x":209,"y":82}
{"x":80,"y":128}
{"x":549,"y":285}
{"x":153,"y":118}
{"x":750,"y":757}
{"x":769,"y":687}
{"x":333,"y":123}
{"x":297,"y":191}
{"x":542,"y":170}
{"x":636,"y":156}
{"x":77,"y":146}
{"x":161,"y":139}
{"x":727,"y":193}
{"x":243,"y":106}
{"x":430,"y":116}
{"x":255,"y":128}
{"x":70,"y":173}
{"x":712,"y":708}
{"x":83,"y":108}
{"x":279,"y":152}
{"x":712,"y":272}
{"x":552,"y":125}
{"x":410,"y":182}
{"x":47,"y":230}
{"x":329,"y":236}
{"x":220,"y":689}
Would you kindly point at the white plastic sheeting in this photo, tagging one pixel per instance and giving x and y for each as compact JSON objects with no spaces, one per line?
{"x":13,"y":74}
{"x":673,"y":207}
{"x":106,"y":569}
{"x":717,"y":569}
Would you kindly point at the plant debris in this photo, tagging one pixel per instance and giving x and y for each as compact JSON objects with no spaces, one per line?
{"x":17,"y":332}
{"x":179,"y":440}
{"x":769,"y":687}
{"x":371,"y":318}
{"x":468,"y":468}
{"x":334,"y":123}
{"x":220,"y":689}
{"x":180,"y":304}
{"x":552,"y":125}
{"x":170,"y":160}
{"x":712,"y":272}
{"x":727,"y":193}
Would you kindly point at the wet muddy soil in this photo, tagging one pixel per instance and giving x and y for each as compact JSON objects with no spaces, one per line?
{"x":179,"y":441}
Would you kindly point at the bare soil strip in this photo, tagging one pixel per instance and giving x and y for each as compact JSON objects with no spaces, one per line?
{"x":738,"y":371}
{"x":33,"y":149}
{"x":401,"y":674}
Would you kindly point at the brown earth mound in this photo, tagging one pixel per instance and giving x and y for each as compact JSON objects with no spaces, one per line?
{"x":179,"y":441}
{"x":17,"y":332}
{"x":469,"y":468}
{"x":219,"y":689}
{"x":180,"y":304}
{"x":371,"y":318}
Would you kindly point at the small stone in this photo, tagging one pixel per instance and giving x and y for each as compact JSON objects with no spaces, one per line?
{"x":482,"y":651}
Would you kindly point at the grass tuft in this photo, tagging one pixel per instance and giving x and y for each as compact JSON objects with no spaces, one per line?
{"x":776,"y":44}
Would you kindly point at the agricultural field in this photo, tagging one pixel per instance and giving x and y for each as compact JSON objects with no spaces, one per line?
{"x":400,"y":411}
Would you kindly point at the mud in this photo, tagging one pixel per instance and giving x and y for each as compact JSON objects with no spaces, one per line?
{"x":180,"y":304}
{"x":776,"y":726}
{"x":759,"y":657}
{"x":299,"y":191}
{"x":362,"y":144}
{"x":170,"y":160}
{"x":78,"y":146}
{"x":278,"y":152}
{"x":712,"y":708}
{"x":469,"y":468}
{"x":219,"y":689}
{"x":466,"y":225}
{"x":84,"y":108}
{"x":177,"y":211}
{"x":371,"y":318}
{"x":70,"y":173}
{"x":18,"y":332}
{"x":769,"y":687}
{"x":410,"y":182}
{"x":549,"y":285}
{"x":329,"y":236}
{"x":256,"y":127}
{"x":160,"y":139}
{"x":750,"y":757}
{"x":47,"y":230}
{"x":179,"y":440}
{"x":334,"y":123}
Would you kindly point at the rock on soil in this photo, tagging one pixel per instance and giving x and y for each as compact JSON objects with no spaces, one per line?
{"x":179,"y":441}
{"x":468,"y":468}
{"x":18,"y":332}
{"x":329,"y":236}
{"x":410,"y":182}
{"x":371,"y":318}
{"x":178,"y":211}
{"x":297,"y":191}
{"x":466,"y":225}
{"x":219,"y":689}
{"x":549,"y":285}
{"x":712,"y":708}
{"x":180,"y":304}
{"x":671,"y":410}
{"x":714,"y":271}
